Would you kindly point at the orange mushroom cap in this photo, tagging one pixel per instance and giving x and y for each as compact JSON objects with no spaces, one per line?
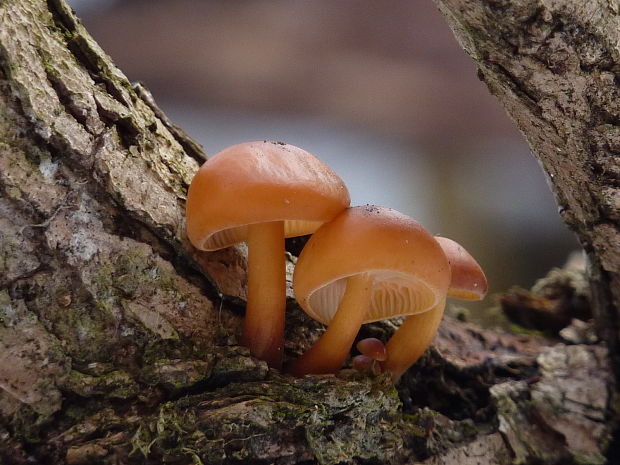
{"x":468,"y":280}
{"x":260,"y":193}
{"x":409,"y":271}
{"x":256,"y":182}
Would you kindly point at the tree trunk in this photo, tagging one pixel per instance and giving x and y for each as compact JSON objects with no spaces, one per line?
{"x":119,"y":339}
{"x":555,"y":66}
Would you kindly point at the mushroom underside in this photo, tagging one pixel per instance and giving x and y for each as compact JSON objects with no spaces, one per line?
{"x":230,"y":236}
{"x":394,"y":294}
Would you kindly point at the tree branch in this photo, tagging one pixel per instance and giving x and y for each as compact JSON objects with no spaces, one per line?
{"x":555,"y":67}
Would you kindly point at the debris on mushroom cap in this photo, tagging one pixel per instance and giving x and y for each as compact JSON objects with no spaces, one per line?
{"x":468,"y":280}
{"x":256,"y":182}
{"x":409,"y":271}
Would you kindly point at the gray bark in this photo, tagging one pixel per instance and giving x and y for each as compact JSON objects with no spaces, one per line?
{"x":555,"y":67}
{"x":119,"y":339}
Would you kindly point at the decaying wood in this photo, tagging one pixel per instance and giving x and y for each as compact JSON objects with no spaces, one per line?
{"x":553,"y":303}
{"x":118,"y":340}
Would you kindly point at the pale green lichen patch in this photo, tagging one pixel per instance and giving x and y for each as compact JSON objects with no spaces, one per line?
{"x":21,"y":170}
{"x":116,"y":384}
{"x":121,"y":299}
{"x":151,"y":296}
{"x":66,"y":308}
{"x":234,"y":364}
{"x":176,"y":375}
{"x":14,"y":313}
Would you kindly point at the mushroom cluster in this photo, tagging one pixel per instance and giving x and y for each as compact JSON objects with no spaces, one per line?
{"x":362,"y":264}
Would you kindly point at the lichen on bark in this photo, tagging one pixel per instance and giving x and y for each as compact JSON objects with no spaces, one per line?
{"x":119,"y":340}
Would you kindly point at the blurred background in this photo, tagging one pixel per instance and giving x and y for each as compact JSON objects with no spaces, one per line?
{"x":380,"y":91}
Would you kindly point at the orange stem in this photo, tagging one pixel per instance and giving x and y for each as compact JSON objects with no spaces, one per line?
{"x":263,"y":331}
{"x":328,"y":354}
{"x":411,"y":340}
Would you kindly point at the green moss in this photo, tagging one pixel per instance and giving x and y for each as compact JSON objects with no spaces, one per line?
{"x":130,"y":272}
{"x":589,"y":459}
{"x":27,"y":425}
{"x":335,"y":420}
{"x":518,"y":329}
{"x":165,"y":434}
{"x":142,"y":441}
{"x":115,"y":384}
{"x":5,"y":307}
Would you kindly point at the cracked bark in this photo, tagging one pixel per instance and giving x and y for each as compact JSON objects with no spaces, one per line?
{"x":118,"y":339}
{"x":555,"y":67}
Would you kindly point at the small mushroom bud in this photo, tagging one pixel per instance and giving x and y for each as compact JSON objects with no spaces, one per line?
{"x":373,"y":348}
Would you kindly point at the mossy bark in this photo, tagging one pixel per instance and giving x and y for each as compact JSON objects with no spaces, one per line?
{"x":119,"y":339}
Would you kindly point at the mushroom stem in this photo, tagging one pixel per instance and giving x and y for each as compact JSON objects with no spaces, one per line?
{"x":328,"y":354}
{"x":410,"y":341}
{"x":263,"y":331}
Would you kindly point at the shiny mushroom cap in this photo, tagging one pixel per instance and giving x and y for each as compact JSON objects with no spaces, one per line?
{"x":257,"y":182}
{"x":407,"y":267}
{"x":468,"y":280}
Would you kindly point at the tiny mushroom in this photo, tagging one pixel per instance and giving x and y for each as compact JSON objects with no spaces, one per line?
{"x":364,"y":363}
{"x":261,"y":192}
{"x":367,"y":264}
{"x":373,"y":348}
{"x":468,"y":282}
{"x":372,"y":351}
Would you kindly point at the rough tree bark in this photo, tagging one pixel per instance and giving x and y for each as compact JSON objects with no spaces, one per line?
{"x":118,"y":339}
{"x":555,"y":66}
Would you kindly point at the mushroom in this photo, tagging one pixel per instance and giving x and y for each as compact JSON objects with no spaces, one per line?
{"x":373,"y":348}
{"x":372,"y":351}
{"x":367,"y":264}
{"x":468,"y":282}
{"x":364,"y":363}
{"x":261,"y":192}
